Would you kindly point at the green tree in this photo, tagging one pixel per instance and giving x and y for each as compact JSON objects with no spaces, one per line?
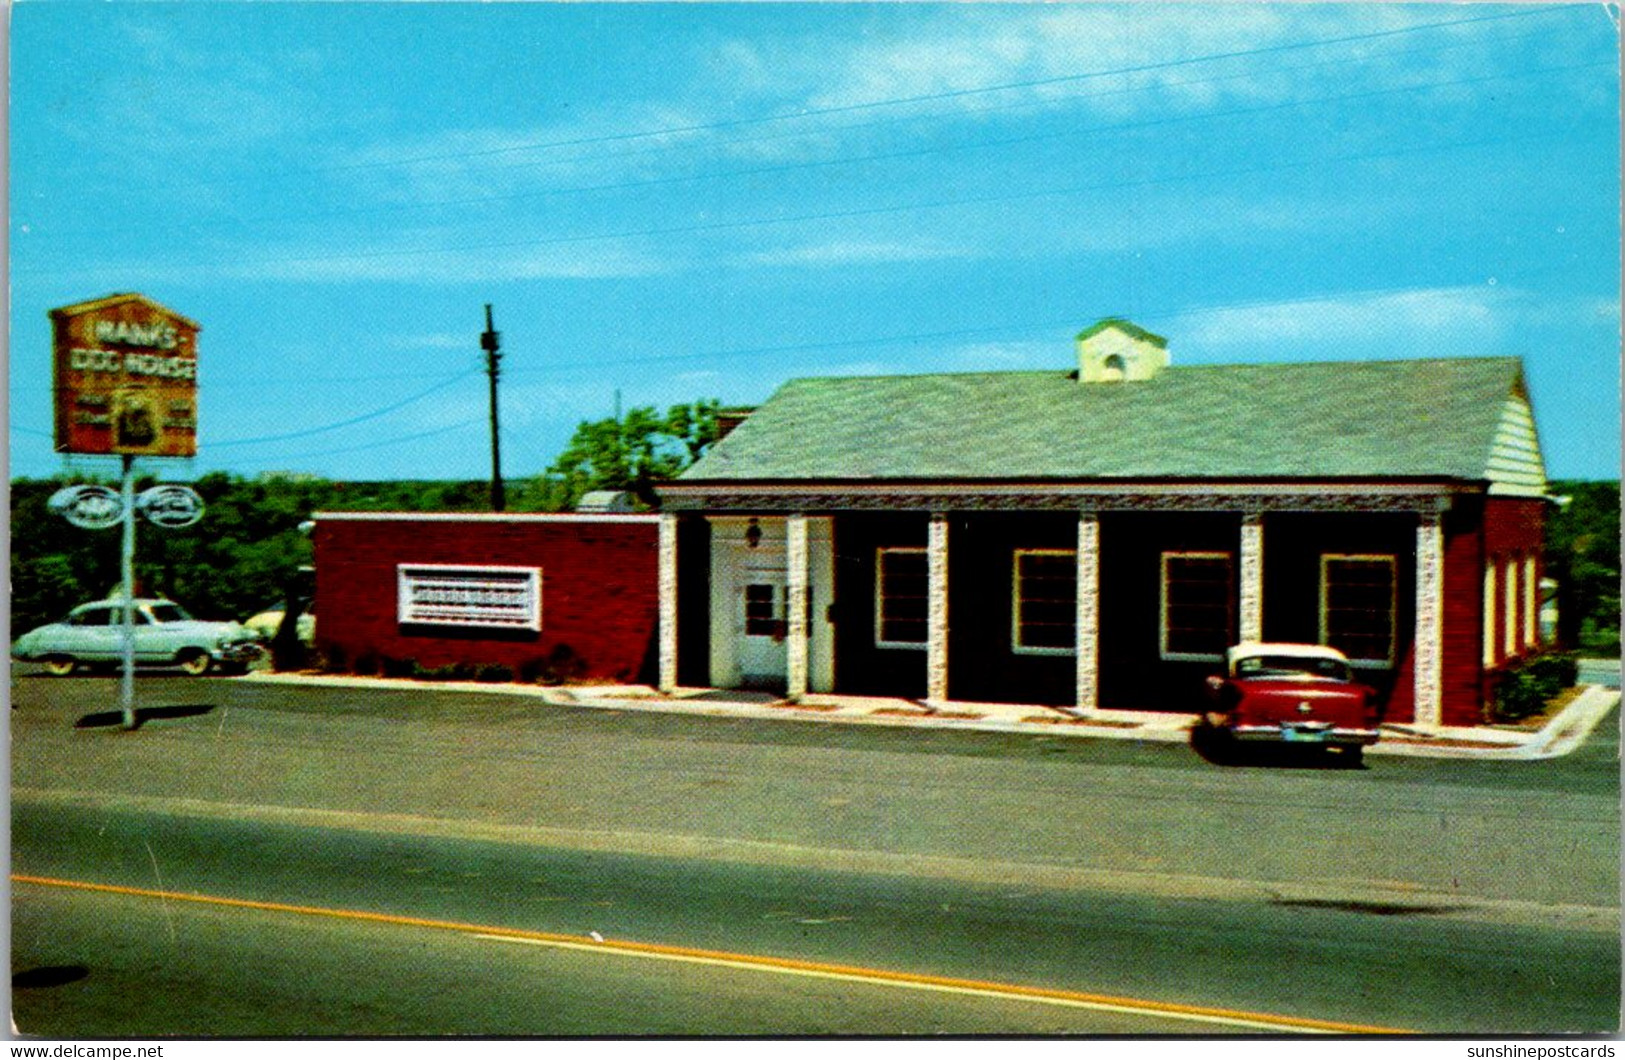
{"x":1582,"y":556}
{"x":631,"y":453}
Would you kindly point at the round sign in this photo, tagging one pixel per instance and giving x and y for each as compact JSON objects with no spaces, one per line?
{"x":89,"y":507}
{"x":170,"y":506}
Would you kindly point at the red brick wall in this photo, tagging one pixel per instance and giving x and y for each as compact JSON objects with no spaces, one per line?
{"x":600,"y":590}
{"x":1513,"y":529}
{"x":1501,"y":528}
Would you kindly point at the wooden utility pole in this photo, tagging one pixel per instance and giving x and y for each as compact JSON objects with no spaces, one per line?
{"x":490,"y":342}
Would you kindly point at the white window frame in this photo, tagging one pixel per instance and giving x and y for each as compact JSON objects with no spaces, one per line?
{"x":1016,"y":646}
{"x":408,"y":575}
{"x":880,"y":600}
{"x":1162,"y":608}
{"x":1392,"y":561}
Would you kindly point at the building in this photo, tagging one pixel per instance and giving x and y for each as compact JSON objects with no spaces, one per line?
{"x":1095,"y":536}
{"x":535,"y":596}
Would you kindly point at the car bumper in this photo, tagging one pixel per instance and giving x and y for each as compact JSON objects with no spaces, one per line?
{"x":1324,"y":735}
{"x":245,"y":652}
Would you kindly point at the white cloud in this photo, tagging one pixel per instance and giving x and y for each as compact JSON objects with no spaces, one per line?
{"x":1421,"y":322}
{"x":1112,"y":61}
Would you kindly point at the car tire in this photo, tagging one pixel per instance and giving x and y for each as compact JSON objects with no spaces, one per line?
{"x":1351,"y":757}
{"x":194,"y":661}
{"x":59,"y":665}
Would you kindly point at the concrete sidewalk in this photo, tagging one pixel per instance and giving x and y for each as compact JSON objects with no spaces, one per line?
{"x":1561,"y":734}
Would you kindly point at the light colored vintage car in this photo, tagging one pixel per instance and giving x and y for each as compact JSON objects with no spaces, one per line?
{"x":1293,"y":693}
{"x":165,"y":635}
{"x":265,"y":623}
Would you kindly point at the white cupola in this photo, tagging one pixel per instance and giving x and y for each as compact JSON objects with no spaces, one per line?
{"x":1115,"y":351}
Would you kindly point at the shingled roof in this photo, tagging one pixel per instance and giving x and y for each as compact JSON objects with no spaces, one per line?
{"x":1332,"y":420}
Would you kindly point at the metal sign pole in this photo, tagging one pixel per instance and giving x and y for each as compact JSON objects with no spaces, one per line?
{"x":127,"y":594}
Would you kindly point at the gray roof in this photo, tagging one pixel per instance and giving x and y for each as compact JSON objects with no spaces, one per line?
{"x":1328,"y":420}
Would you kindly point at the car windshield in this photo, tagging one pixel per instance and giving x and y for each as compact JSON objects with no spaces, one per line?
{"x":1291,"y":666}
{"x":169,"y":613}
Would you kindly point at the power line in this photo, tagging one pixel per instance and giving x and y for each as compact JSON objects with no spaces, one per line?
{"x":385,"y":443}
{"x":241,"y":381}
{"x":1007,"y":328}
{"x":1152,"y":315}
{"x":874,"y":211}
{"x":395,"y":207}
{"x":364,"y":417}
{"x":893,"y":101}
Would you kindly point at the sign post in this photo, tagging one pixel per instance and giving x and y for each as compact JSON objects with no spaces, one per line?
{"x":126,"y":685}
{"x":125,"y":381}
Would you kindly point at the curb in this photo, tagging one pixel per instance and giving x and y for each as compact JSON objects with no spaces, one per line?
{"x":1561,"y":735}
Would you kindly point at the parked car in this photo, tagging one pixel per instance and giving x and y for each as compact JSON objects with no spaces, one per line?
{"x":165,"y":635}
{"x":1293,"y":694}
{"x":265,"y":623}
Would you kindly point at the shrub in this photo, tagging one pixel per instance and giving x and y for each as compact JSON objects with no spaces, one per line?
{"x":559,"y":666}
{"x":457,"y":671}
{"x":493,"y":673}
{"x":1524,"y":687}
{"x":391,"y":667}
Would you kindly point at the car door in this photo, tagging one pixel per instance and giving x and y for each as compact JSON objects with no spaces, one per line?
{"x":93,"y":634}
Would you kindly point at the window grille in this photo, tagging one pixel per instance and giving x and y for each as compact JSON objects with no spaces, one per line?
{"x":495,"y":597}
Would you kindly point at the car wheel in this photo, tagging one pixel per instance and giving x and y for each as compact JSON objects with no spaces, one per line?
{"x":60,"y":665}
{"x":1351,"y":757}
{"x":193,"y":662}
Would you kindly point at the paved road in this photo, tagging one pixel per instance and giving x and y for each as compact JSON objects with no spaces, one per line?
{"x":1603,"y":672}
{"x":1445,"y":896}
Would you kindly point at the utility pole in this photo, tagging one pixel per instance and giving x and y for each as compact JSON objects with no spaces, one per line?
{"x":490,"y":342}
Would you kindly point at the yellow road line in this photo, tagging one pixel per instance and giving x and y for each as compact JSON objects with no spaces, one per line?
{"x":784,"y":965}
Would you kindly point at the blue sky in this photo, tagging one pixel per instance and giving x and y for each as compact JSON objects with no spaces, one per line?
{"x":693,"y":200}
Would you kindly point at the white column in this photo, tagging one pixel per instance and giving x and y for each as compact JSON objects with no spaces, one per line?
{"x":795,"y":559}
{"x":668,"y":601}
{"x":1531,"y":603}
{"x":1509,"y":613}
{"x":936,"y":637}
{"x":1491,"y":631}
{"x":1251,"y":618}
{"x":1088,"y":614}
{"x":1429,"y":617}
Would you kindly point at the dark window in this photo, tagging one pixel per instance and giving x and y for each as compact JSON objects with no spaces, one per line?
{"x":902,"y":587}
{"x":1046,"y":601}
{"x":1358,"y":598}
{"x":1198,"y":605}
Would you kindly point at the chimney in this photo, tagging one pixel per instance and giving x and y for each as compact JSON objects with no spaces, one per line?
{"x":1115,"y":351}
{"x":728,"y":419}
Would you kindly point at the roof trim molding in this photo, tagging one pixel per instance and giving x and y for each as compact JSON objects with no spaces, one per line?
{"x":478,"y":517}
{"x":724,"y":497}
{"x":1131,"y":330}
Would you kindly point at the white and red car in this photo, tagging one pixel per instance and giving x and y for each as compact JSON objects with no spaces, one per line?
{"x":1293,"y":694}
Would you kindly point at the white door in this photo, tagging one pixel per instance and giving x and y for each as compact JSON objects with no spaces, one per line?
{"x":762,"y":624}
